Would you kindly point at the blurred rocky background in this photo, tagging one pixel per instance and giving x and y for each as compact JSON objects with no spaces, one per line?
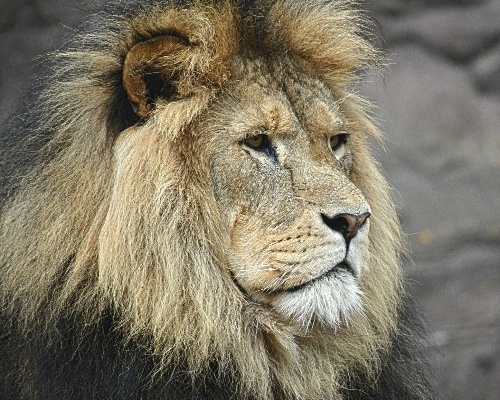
{"x":440,"y":108}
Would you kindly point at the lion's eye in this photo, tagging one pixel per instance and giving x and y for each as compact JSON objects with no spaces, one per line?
{"x":257,"y":142}
{"x":335,"y":142}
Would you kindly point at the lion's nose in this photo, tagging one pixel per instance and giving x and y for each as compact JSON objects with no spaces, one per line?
{"x":346,"y":224}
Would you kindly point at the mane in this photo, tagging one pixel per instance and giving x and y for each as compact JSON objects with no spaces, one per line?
{"x":82,"y":240}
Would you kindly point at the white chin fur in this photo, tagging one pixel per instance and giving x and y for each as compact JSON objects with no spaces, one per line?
{"x":330,"y":301}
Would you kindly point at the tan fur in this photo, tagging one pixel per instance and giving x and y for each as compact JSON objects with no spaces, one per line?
{"x":131,"y":220}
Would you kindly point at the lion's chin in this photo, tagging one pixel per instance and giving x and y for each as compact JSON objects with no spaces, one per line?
{"x":329,"y":301}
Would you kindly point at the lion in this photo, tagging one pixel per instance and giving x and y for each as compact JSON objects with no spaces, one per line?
{"x":192,"y":211}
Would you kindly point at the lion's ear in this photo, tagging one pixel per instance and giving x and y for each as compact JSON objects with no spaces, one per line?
{"x":152,"y":69}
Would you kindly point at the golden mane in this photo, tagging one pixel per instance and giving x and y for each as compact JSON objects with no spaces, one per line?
{"x":84,"y":237}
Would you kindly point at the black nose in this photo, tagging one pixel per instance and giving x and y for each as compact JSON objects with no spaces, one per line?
{"x":346,"y":224}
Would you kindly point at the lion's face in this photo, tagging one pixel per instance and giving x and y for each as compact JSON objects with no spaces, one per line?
{"x":294,"y":222}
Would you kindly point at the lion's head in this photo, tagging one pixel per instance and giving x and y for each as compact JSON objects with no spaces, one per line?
{"x":210,"y":185}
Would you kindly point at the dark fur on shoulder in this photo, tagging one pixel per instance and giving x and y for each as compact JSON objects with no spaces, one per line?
{"x":96,"y":364}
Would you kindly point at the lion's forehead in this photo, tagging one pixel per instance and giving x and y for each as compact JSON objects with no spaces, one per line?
{"x":281,"y":101}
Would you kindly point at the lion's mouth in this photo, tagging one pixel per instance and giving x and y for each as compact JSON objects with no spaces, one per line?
{"x":340,"y":267}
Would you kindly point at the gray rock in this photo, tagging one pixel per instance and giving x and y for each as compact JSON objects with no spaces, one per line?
{"x":458,"y":33}
{"x":20,"y":51}
{"x":68,"y":11}
{"x":486,"y":71}
{"x":444,"y":141}
{"x":460,"y":291}
{"x":398,"y":7}
{"x":20,"y":13}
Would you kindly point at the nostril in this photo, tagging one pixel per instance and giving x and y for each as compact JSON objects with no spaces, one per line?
{"x":337,"y":224}
{"x":345,"y":224}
